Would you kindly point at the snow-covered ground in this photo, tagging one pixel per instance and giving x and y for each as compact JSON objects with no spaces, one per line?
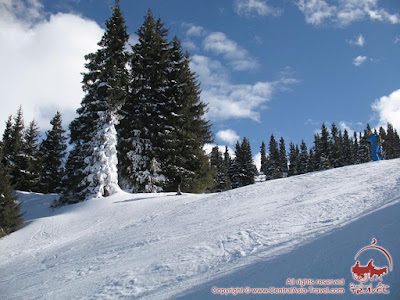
{"x":157,"y":246}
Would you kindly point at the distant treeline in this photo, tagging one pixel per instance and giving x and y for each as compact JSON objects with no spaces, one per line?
{"x":332,"y":149}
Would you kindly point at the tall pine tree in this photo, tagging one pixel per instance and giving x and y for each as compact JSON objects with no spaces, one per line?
{"x":142,"y":128}
{"x":274,"y":165}
{"x":92,"y":164}
{"x":186,"y":130}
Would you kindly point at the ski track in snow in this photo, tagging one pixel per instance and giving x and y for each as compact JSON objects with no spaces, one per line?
{"x":154,"y":246}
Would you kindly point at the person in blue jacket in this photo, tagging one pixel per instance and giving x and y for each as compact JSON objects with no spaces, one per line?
{"x":376,"y":142}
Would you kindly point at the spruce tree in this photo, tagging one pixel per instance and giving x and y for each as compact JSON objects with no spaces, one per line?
{"x":355,"y":149}
{"x":311,"y":161}
{"x":227,"y":163}
{"x":235,"y":168}
{"x":391,"y":142}
{"x":6,"y":146}
{"x":221,"y":182}
{"x":324,"y":149}
{"x":264,"y":159}
{"x":53,"y":151}
{"x":250,"y":170}
{"x":303,"y":159}
{"x":293,"y":160}
{"x":242,"y":170}
{"x":163,"y":117}
{"x":16,"y":162}
{"x":283,"y":158}
{"x":142,"y":129}
{"x":10,"y":215}
{"x":186,"y":130}
{"x":364,"y":149}
{"x":274,"y":166}
{"x":348,"y":154}
{"x":335,"y":147}
{"x":93,"y":132}
{"x":29,"y":180}
{"x":317,"y":154}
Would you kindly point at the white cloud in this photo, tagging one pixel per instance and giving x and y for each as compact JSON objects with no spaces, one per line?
{"x":41,"y":60}
{"x":315,"y":11}
{"x":388,"y":109}
{"x":239,"y":59}
{"x":251,"y":8}
{"x":228,"y":135}
{"x":397,"y":40}
{"x":229,"y":101}
{"x":344,"y":12}
{"x":189,"y":45}
{"x":344,"y":125}
{"x":195,"y":30}
{"x":359,"y":60}
{"x":357,"y":41}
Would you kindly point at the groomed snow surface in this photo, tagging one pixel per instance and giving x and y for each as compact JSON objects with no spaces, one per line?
{"x":162,"y":246}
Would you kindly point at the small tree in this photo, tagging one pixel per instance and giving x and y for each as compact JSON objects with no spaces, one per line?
{"x":221,"y":178}
{"x":29,"y":180}
{"x":274,"y":165}
{"x":10,"y":215}
{"x":283,"y":158}
{"x":243,"y":170}
{"x":303,"y":158}
{"x":53,"y":151}
{"x":294,"y":160}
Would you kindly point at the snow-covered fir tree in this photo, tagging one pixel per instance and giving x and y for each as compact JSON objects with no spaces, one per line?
{"x":53,"y":151}
{"x":92,"y":164}
{"x":141,"y":129}
{"x":163,"y":118}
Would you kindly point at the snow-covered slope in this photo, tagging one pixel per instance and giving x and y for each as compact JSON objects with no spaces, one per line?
{"x":156,"y":246}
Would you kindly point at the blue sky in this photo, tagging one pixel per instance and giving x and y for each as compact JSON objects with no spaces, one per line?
{"x":280,"y":67}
